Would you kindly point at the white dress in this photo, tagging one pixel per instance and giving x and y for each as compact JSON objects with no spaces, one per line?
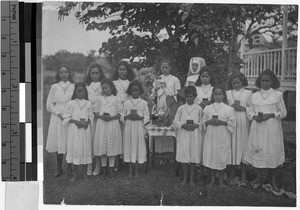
{"x":94,"y":91}
{"x":79,"y":139}
{"x":240,"y":133}
{"x":265,"y":147}
{"x":108,"y":137}
{"x":203,"y":91}
{"x":216,"y":149}
{"x":189,"y":143}
{"x":134,"y":133}
{"x":166,"y":144}
{"x":60,"y":94}
{"x":121,"y":86}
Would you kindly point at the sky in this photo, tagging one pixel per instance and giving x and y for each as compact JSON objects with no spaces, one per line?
{"x":67,"y":34}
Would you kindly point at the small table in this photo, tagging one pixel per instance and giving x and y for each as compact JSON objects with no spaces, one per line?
{"x":155,"y":131}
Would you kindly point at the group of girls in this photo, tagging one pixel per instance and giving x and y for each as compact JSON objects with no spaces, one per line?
{"x":219,"y":128}
{"x":215,"y":128}
{"x":100,"y":118}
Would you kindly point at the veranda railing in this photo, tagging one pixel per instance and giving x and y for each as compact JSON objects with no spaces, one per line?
{"x":255,"y":62}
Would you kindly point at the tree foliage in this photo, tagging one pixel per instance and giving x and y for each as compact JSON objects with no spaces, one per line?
{"x":151,"y":31}
{"x":78,"y":62}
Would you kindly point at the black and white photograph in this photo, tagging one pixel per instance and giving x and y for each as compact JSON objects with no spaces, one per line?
{"x":169,"y":103}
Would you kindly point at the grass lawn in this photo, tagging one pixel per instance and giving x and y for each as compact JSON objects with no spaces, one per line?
{"x":161,"y":186}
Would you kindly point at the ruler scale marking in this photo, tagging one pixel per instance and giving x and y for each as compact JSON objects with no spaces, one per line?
{"x":10,"y":144}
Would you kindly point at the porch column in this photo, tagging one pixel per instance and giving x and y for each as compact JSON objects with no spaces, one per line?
{"x":243,"y":49}
{"x":284,"y":40}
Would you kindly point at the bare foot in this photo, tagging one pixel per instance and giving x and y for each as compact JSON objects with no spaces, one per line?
{"x":244,"y":181}
{"x":275,"y":187}
{"x":255,"y":183}
{"x":183,"y":182}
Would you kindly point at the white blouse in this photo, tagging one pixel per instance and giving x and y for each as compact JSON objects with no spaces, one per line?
{"x":109,"y":104}
{"x":268,"y":101}
{"x":204,"y":91}
{"x":136,"y":104}
{"x":60,"y":94}
{"x":121,"y":86}
{"x":94,"y":90}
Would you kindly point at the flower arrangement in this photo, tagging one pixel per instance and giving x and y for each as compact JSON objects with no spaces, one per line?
{"x":161,"y":119}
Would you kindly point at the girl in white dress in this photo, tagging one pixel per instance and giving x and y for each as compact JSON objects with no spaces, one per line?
{"x":108,"y":137}
{"x":60,"y":94}
{"x":189,"y":140}
{"x":121,"y":79}
{"x":240,"y":99}
{"x":169,"y":92}
{"x":78,"y":116}
{"x":265,"y":147}
{"x":196,"y":65}
{"x":135,"y":116}
{"x":204,"y":86}
{"x":219,"y":123}
{"x":93,"y":82}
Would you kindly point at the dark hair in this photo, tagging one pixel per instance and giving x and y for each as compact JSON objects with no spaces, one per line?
{"x":57,"y":78}
{"x":88,"y":78}
{"x":77,"y":85}
{"x":223,"y":91}
{"x":234,"y":75}
{"x":165,"y":60}
{"x":134,"y":83}
{"x":190,"y":90}
{"x":130,"y":73}
{"x":209,"y":71}
{"x":111,"y":84}
{"x":276,"y":82}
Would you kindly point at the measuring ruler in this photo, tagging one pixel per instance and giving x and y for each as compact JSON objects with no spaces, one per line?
{"x":10,"y":91}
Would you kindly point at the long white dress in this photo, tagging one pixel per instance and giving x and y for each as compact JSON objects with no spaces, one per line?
{"x":203,"y":91}
{"x":121,"y":86}
{"x":189,"y":143}
{"x":60,"y":94}
{"x":166,"y":144}
{"x":94,"y":91}
{"x":108,"y":137}
{"x":240,"y":132}
{"x":134,"y":132}
{"x":216,"y":149}
{"x":265,"y":147}
{"x":79,"y":139}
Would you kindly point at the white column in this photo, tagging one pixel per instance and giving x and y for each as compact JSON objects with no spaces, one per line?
{"x":284,"y":40}
{"x":243,"y":47}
